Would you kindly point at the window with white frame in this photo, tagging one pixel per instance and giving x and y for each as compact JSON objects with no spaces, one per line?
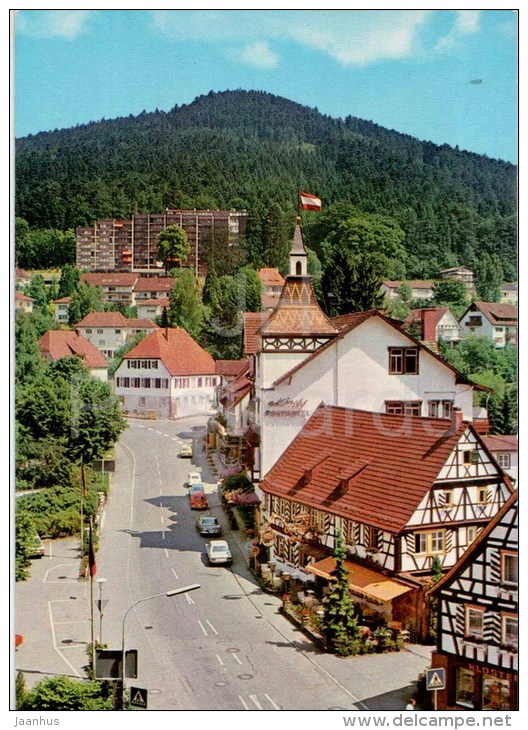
{"x":504,"y":460}
{"x":440,"y":408}
{"x":474,"y":622}
{"x":430,"y":543}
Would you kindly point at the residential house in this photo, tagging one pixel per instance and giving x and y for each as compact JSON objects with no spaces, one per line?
{"x":56,"y":344}
{"x":462,"y":273}
{"x":405,"y":492}
{"x":432,"y":324}
{"x":419,"y":289}
{"x":505,"y":451}
{"x":110,"y":331}
{"x":166,"y":375}
{"x":23,"y":303}
{"x":272,"y":282}
{"x":498,"y":321}
{"x":116,"y":288}
{"x":510,"y":294}
{"x":61,"y":311}
{"x":252,"y":323}
{"x":152,"y":287}
{"x":152,"y":308}
{"x":228,"y":433}
{"x":22,"y":278}
{"x":478,"y":620}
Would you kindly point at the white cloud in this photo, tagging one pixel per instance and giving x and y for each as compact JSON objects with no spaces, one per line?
{"x":258,"y":54}
{"x":351,"y":37}
{"x":466,"y":22}
{"x":68,"y":24}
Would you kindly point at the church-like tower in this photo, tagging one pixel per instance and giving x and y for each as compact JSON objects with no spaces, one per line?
{"x":297,"y":324}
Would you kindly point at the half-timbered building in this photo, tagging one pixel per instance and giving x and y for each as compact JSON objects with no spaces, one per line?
{"x":408,"y":494}
{"x":478,"y":620}
{"x":363,"y":360}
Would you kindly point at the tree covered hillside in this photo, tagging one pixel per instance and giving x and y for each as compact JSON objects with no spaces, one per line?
{"x":254,"y":150}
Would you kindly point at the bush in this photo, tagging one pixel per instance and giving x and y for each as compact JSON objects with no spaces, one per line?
{"x":62,"y":693}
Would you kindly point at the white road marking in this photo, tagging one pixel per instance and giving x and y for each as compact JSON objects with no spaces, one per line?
{"x":54,"y":639}
{"x":176,"y":575}
{"x":218,"y":656}
{"x":212,"y":627}
{"x":271,"y":702}
{"x":243,"y":702}
{"x":202,"y":627}
{"x":151,"y":429}
{"x":238,"y":660}
{"x":166,"y":553}
{"x":190,"y":600}
{"x":254,"y":699}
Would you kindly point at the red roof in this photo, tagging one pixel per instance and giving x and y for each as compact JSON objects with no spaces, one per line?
{"x":368,"y":467}
{"x":103,"y":319}
{"x":501,"y":443}
{"x":252,"y":323}
{"x":416,"y":315}
{"x":414,"y":284}
{"x":56,"y":344}
{"x":63,"y":300}
{"x":154,"y":283}
{"x":271,"y":277}
{"x":159,"y":302}
{"x":110,"y":279}
{"x":231,"y":368}
{"x":19,"y":297}
{"x":497,"y":314}
{"x":177,"y":350}
{"x":140,"y":324}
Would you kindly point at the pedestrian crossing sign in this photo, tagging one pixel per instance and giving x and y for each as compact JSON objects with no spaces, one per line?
{"x":138,"y":697}
{"x":435,"y":678}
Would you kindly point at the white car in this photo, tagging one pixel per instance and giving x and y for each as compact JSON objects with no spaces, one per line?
{"x":194,"y":478}
{"x":218,"y":552}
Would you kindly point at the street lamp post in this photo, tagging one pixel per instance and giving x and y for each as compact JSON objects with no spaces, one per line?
{"x":174,"y":592}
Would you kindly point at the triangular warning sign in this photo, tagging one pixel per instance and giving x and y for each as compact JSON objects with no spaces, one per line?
{"x":138,"y":697}
{"x":435,"y":681}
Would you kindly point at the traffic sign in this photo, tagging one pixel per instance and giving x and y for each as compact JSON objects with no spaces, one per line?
{"x":435,"y":678}
{"x":138,"y":697}
{"x":109,"y":663}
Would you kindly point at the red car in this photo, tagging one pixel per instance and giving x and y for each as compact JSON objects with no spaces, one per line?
{"x":197,"y":497}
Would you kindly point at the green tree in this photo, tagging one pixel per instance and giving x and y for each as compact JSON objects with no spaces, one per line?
{"x":28,"y":361}
{"x":24,"y":253}
{"x":118,"y":357}
{"x":68,"y":281}
{"x":224,"y":255}
{"x":489,"y":277}
{"x":250,"y":289}
{"x":84,"y":299}
{"x":351,"y":284}
{"x":222,"y":328}
{"x":451,"y":293}
{"x":340,"y":622}
{"x":63,"y":693}
{"x":173,"y":247}
{"x":186,"y":308}
{"x":25,"y":531}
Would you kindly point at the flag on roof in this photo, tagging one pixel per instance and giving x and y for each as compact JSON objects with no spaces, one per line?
{"x":310,"y":202}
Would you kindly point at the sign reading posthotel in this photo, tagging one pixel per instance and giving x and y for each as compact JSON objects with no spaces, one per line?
{"x":286,"y":408}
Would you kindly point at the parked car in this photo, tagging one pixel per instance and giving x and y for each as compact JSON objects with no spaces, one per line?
{"x":218,"y":552}
{"x":194,"y":477}
{"x":208,"y":525}
{"x":37,"y":547}
{"x":186,"y":451}
{"x":198,"y":500}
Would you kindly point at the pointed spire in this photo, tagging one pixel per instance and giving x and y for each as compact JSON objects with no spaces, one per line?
{"x":298,"y":255}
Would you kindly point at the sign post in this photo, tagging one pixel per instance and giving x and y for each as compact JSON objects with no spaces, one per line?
{"x":435,"y":680}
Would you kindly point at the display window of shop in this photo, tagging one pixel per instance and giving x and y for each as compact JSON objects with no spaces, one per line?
{"x":495,"y":693}
{"x":465,"y":687}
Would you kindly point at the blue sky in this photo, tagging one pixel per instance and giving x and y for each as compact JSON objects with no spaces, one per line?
{"x":449,"y":76}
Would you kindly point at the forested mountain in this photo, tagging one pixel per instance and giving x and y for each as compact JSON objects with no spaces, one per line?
{"x":254,"y":150}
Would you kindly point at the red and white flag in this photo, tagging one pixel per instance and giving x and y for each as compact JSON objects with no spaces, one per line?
{"x":310,"y":202}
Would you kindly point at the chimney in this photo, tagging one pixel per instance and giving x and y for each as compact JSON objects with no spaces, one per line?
{"x":428,"y":317}
{"x":457,"y":418}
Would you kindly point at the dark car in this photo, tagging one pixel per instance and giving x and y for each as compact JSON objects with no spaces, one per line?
{"x":207,"y":525}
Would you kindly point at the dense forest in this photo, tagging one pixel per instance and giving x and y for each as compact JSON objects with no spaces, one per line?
{"x":254,"y":150}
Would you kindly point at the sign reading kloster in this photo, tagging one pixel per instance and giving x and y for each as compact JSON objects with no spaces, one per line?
{"x":286,"y":408}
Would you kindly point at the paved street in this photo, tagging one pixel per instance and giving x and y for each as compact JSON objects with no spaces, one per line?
{"x":222,"y":647}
